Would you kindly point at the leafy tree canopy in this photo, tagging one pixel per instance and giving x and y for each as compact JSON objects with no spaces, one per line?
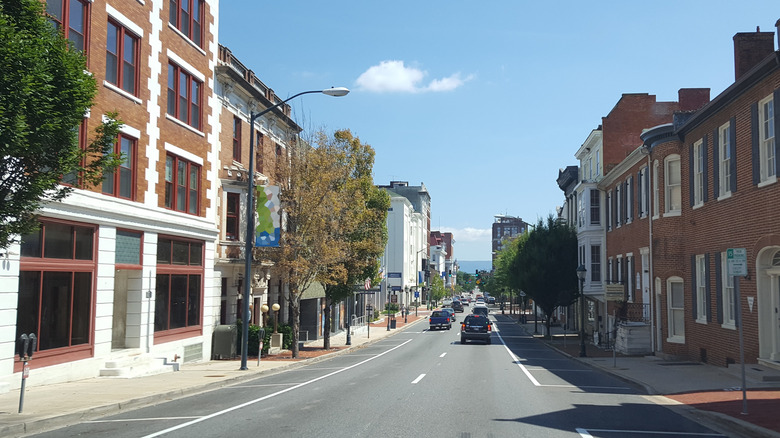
{"x":45,"y":92}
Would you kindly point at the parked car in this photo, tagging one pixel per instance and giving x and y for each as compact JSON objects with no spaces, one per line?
{"x":476,"y":327}
{"x":480,"y":309}
{"x":451,"y":311}
{"x":457,"y":306}
{"x":440,"y":319}
{"x":491,"y":300}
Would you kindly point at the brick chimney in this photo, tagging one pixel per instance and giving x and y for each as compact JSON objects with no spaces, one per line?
{"x":750,"y":48}
{"x":691,"y":99}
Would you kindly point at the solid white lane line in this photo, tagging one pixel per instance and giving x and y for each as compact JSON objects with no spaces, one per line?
{"x":128,"y":420}
{"x":251,"y":402}
{"x":517,"y":361}
{"x":586,"y":432}
{"x":420,"y":377}
{"x":443,"y":354}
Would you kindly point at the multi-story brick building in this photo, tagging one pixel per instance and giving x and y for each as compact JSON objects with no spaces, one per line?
{"x":125,"y":270}
{"x":714,"y":176}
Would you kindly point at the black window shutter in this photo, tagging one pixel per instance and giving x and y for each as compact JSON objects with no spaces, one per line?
{"x":693,"y":286}
{"x":626,"y":207}
{"x":707,"y":292}
{"x":630,"y":209}
{"x":690,"y":175}
{"x":776,"y":103}
{"x":733,"y":148}
{"x":718,"y":288}
{"x":705,"y":170}
{"x":633,"y":279}
{"x":639,"y":201}
{"x":647,"y":190}
{"x":715,"y":164}
{"x":755,"y":155}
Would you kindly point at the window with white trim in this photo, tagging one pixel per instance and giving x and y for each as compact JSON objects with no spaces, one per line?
{"x":629,"y":200}
{"x":698,"y":173}
{"x":701,"y":288}
{"x":656,"y":191}
{"x":729,"y":309}
{"x":724,"y":159}
{"x":676,"y":309}
{"x":122,"y":57}
{"x":672,"y":188}
{"x":184,"y":95}
{"x":182,"y":185}
{"x":595,"y":263}
{"x":598,"y":163}
{"x":619,"y":206}
{"x":121,"y":182}
{"x":642,"y":202}
{"x":766,"y":123}
{"x":187,"y":16}
{"x":595,"y":207}
{"x":609,"y":210}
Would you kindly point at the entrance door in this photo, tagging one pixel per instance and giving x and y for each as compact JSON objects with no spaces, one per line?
{"x":646,"y":285}
{"x":119,"y":324}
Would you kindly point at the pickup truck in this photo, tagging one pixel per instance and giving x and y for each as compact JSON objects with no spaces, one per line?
{"x":440,"y":319}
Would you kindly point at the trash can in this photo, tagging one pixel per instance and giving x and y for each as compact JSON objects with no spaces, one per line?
{"x":223,"y":344}
{"x":392,"y":323}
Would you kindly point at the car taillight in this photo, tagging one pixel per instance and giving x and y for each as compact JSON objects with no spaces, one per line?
{"x":463,"y":326}
{"x":490,"y":327}
{"x":448,"y":319}
{"x":430,"y":319}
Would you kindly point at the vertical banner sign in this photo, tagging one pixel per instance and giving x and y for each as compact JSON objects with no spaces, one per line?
{"x":269,"y":218}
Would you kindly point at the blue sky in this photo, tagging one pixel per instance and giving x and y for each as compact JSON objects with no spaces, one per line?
{"x":483,"y":102}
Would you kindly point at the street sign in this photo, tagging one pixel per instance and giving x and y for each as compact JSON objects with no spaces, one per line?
{"x":736,"y":262}
{"x":394,"y":275}
{"x":614,"y":292}
{"x":394,"y":298}
{"x":416,"y":294}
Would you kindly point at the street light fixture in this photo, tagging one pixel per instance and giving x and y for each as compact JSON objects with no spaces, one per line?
{"x":581,"y":275}
{"x":250,"y":214}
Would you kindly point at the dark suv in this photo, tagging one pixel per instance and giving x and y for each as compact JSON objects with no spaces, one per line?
{"x":457,"y":306}
{"x":475,"y":327}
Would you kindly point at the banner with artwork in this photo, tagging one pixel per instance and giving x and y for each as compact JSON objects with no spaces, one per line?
{"x":268,"y":229}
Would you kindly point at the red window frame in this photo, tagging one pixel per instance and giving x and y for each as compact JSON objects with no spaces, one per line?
{"x":113,"y":184}
{"x":178,"y":259}
{"x":119,"y":58}
{"x":236,"y":139}
{"x":65,"y":21}
{"x":187,"y":17}
{"x":176,"y":170}
{"x":74,"y":179}
{"x":53,"y":254}
{"x":232,"y":215}
{"x":184,"y":103}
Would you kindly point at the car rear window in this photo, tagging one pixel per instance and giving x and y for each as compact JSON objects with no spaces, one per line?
{"x":439,"y":313}
{"x":476,"y":320}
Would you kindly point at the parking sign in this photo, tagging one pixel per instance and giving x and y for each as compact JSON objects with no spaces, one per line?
{"x":736,"y":262}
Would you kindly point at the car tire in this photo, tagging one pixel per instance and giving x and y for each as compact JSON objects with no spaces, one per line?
{"x":462,"y":340}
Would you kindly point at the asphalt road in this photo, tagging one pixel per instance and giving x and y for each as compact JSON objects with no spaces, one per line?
{"x":415,"y":384}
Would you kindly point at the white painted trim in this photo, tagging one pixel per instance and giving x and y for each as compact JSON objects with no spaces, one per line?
{"x":186,"y":65}
{"x":124,"y":21}
{"x":125,"y":129}
{"x":183,"y":124}
{"x":189,"y":156}
{"x":186,"y":38}
{"x":124,"y":93}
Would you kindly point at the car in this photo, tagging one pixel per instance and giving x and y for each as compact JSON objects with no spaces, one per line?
{"x":457,"y":306}
{"x":446,"y":302}
{"x":451,"y":311}
{"x":476,"y":327}
{"x":480,"y":309}
{"x":480,"y":301}
{"x":440,"y":319}
{"x":491,"y":300}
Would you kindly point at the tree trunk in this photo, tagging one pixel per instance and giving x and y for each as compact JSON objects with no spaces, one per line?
{"x":326,"y":328}
{"x":296,"y":324}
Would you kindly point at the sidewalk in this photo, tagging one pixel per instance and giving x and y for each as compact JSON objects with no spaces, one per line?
{"x":53,"y":406}
{"x":708,"y":394}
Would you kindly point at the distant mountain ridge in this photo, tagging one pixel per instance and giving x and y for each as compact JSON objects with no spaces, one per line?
{"x":470,"y":266}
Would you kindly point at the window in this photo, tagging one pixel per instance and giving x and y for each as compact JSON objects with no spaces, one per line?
{"x":598,"y":163}
{"x":698,"y":173}
{"x":609,"y":278}
{"x":595,"y":207}
{"x":581,"y":212}
{"x":619,"y":267}
{"x":724,"y":154}
{"x":73,"y":178}
{"x":128,"y":248}
{"x":729,"y":309}
{"x":676,"y":308}
{"x":609,"y":210}
{"x":71,"y":17}
{"x":55,"y":285}
{"x":178,"y":301}
{"x":122,"y":58}
{"x":184,"y":96}
{"x":232,"y":216}
{"x":766,"y":114}
{"x":595,"y":263}
{"x":121,"y":183}
{"x":182,"y":184}
{"x":619,"y":205}
{"x":656,"y":202}
{"x":236,"y":139}
{"x":672,"y":195}
{"x":187,"y":16}
{"x":701,"y":288}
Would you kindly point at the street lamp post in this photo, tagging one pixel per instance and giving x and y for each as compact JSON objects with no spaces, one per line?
{"x":406,"y":309}
{"x":250,"y":214}
{"x":581,"y":275}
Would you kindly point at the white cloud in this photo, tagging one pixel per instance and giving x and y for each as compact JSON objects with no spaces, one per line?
{"x":469,"y":234}
{"x":394,"y":76}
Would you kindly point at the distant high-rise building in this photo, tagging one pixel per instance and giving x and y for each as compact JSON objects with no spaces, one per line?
{"x":505,"y":228}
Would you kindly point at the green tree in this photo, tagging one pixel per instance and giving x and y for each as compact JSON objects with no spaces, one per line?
{"x":505,"y":278}
{"x":546,"y":264}
{"x":45,"y":91}
{"x":438,"y":291}
{"x":363,"y":226}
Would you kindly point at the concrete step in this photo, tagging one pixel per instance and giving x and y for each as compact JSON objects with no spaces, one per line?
{"x":135,"y":365}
